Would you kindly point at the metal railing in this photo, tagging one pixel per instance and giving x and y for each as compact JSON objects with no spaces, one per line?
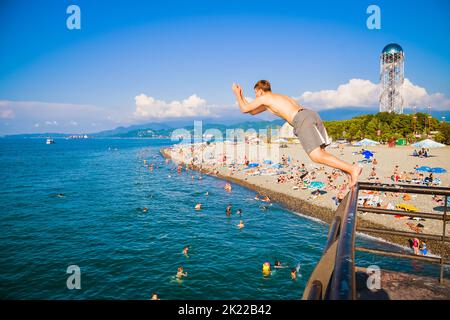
{"x":334,"y":275}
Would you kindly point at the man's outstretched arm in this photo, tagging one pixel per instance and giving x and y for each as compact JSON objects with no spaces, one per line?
{"x":254,"y":107}
{"x":259,"y":109}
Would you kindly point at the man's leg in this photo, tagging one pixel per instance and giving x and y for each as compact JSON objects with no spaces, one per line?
{"x":319,"y":155}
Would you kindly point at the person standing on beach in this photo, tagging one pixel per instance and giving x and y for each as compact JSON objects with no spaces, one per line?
{"x":308,"y":126}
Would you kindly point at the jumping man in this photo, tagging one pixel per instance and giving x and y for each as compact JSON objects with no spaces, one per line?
{"x":308,"y":126}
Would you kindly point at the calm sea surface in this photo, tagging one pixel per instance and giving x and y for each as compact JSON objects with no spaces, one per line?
{"x":80,"y":202}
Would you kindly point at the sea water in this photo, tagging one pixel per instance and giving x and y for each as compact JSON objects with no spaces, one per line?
{"x":80,"y":202}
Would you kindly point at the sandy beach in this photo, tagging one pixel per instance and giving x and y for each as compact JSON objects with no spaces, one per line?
{"x":288,"y":176}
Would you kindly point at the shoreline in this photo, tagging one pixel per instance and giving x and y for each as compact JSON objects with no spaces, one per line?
{"x":314,"y":211}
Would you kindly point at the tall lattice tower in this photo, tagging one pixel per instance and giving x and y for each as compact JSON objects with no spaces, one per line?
{"x":392,"y":68}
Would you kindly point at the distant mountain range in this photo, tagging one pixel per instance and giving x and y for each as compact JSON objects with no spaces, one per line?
{"x":162,"y":130}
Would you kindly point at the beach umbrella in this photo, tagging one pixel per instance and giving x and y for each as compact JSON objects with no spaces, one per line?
{"x":277,"y":166}
{"x":316,"y":185}
{"x":253,"y":165}
{"x":268,"y":161}
{"x":280,"y":140}
{"x":365,"y":142}
{"x":424,"y":169}
{"x":428,"y":143}
{"x":367,"y":154}
{"x":438,"y":170}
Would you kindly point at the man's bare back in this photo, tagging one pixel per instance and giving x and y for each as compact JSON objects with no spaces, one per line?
{"x":282,"y":105}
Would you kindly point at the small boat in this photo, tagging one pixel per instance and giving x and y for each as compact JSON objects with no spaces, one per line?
{"x":50,"y":141}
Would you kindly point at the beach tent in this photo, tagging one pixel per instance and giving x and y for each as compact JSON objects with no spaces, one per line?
{"x":438,"y":170}
{"x":253,"y":165}
{"x":428,"y":143}
{"x":367,"y":154}
{"x":366,"y":142}
{"x":424,"y":169}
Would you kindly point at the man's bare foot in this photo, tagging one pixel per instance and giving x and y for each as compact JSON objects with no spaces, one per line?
{"x":356,"y":171}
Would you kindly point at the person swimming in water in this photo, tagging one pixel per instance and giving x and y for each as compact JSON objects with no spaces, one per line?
{"x":154,"y":296}
{"x":241,"y":224}
{"x":145,"y":209}
{"x":239,"y":212}
{"x":181,"y":273}
{"x":198,"y":206}
{"x":185,"y":250}
{"x":278,"y":265}
{"x":294,"y":274}
{"x":228,"y":210}
{"x":266,"y":269}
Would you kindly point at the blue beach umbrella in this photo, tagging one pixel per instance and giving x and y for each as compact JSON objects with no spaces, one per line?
{"x":268,"y":161}
{"x":438,"y":170}
{"x":424,"y":169}
{"x":367,"y":154}
{"x":277,"y":166}
{"x":253,"y":165}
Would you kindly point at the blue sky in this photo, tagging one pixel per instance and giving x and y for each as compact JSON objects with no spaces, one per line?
{"x":184,"y":55}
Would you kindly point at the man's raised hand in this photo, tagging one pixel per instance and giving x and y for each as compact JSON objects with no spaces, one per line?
{"x":236,"y":89}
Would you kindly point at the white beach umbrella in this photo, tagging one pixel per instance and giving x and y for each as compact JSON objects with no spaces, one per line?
{"x":428,"y":143}
{"x":366,"y":142}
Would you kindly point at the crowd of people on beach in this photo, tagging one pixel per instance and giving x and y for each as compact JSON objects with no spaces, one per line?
{"x":422,"y":153}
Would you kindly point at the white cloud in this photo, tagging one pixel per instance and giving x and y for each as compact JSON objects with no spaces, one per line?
{"x":150,"y":108}
{"x":364,"y":93}
{"x":416,"y":95}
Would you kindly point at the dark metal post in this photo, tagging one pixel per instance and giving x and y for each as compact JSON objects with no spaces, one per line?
{"x":444,"y":222}
{"x":343,"y":280}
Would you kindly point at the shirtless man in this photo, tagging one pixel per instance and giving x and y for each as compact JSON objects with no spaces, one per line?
{"x":308,"y":126}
